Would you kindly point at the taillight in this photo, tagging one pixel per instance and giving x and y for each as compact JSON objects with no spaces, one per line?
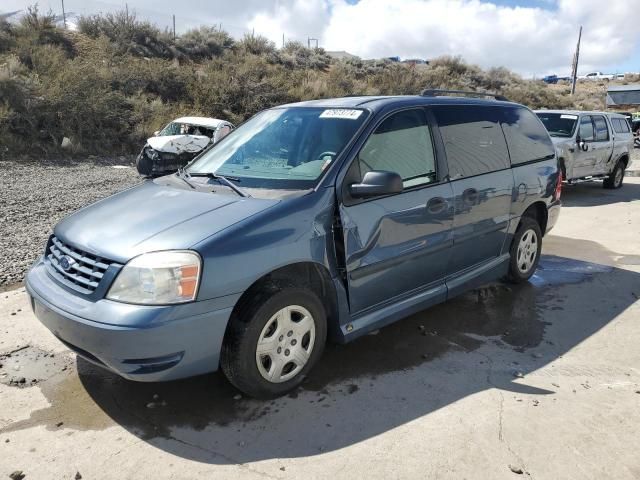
{"x":559,"y":185}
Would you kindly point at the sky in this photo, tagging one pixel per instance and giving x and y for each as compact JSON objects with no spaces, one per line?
{"x":531,"y":37}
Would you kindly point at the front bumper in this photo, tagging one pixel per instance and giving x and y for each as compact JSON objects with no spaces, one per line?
{"x":154,"y":163}
{"x":143,"y":343}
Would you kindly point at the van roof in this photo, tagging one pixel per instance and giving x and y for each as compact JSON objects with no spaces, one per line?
{"x":378,"y":102}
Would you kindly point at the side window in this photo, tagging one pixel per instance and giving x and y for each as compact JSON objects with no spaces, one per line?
{"x":222,"y":132}
{"x":602,"y":131}
{"x":526,"y":136}
{"x":620,"y":125}
{"x":473,"y":139}
{"x":617,"y":126}
{"x":586,"y":129}
{"x":402,"y":144}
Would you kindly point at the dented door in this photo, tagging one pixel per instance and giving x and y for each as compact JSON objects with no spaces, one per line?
{"x":397,"y":244}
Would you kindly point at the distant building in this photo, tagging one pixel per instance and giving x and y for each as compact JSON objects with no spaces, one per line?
{"x":624,"y":97}
{"x":342,"y":55}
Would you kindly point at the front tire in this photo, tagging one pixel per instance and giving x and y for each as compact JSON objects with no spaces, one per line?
{"x":274,"y":341}
{"x":525,"y":251}
{"x":615,"y":178}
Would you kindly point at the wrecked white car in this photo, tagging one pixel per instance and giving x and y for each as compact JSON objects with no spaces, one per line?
{"x":178,"y":143}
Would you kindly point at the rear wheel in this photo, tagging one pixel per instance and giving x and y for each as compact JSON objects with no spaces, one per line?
{"x":616,"y":177}
{"x":274,"y":342}
{"x":525,"y":251}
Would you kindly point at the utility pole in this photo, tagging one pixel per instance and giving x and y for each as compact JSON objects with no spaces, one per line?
{"x":64,"y":16}
{"x":574,"y":68}
{"x":174,"y":27}
{"x":126,"y":9}
{"x":283,"y":40}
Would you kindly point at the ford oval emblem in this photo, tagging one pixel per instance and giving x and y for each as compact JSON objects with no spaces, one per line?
{"x":66,"y":262}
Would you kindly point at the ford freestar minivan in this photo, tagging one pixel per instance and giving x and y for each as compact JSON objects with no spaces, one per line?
{"x":328,"y":218}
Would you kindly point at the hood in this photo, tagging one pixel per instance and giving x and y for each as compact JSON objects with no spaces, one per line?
{"x":179,"y":143}
{"x":153,"y":217}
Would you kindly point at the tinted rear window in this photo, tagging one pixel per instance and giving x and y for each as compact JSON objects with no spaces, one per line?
{"x":473,"y":140}
{"x":527,"y":138}
{"x":620,"y":125}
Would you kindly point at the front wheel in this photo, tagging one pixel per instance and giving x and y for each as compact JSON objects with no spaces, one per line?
{"x":525,"y":251}
{"x":615,"y":178}
{"x":273,"y":343}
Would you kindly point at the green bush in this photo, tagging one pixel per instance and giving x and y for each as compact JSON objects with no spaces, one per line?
{"x":128,"y":34}
{"x":204,"y":42}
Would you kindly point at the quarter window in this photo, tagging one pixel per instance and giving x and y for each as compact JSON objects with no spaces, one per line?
{"x":402,"y":144}
{"x":526,"y":136}
{"x":602,"y":131}
{"x":586,"y":129}
{"x":620,"y":125}
{"x":473,"y":139}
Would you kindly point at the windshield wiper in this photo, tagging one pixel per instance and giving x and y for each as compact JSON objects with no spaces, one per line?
{"x":182,"y":175}
{"x":226,"y":180}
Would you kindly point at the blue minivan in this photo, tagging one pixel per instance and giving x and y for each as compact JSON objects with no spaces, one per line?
{"x":317,"y":220}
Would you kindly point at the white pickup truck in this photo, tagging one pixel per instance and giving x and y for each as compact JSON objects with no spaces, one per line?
{"x":596,"y":76}
{"x":590,"y":145}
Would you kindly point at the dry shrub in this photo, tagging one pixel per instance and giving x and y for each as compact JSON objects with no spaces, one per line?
{"x":111,"y":84}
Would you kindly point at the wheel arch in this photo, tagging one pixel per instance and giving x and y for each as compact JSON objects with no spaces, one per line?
{"x":538,"y":211}
{"x":307,"y":274}
{"x":624,"y":158}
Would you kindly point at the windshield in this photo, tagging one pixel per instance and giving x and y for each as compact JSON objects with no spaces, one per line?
{"x":176,"y":128}
{"x":282,"y":148}
{"x":559,"y":124}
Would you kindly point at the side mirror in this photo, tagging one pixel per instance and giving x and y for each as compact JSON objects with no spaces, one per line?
{"x":584,"y":146}
{"x":155,"y":134}
{"x":376,"y":183}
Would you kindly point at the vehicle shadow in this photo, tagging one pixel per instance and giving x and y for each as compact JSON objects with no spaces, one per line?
{"x":590,"y":194}
{"x":473,"y":343}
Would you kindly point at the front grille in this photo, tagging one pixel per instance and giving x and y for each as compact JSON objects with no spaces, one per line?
{"x":84,"y":271}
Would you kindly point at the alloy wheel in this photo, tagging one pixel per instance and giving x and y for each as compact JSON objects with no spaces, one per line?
{"x":617,"y":180}
{"x":527,"y":251}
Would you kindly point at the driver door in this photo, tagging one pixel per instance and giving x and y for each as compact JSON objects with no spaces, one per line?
{"x":398,"y":244}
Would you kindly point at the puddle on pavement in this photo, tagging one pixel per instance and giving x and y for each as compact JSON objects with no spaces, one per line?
{"x":27,"y":366}
{"x":509,"y":315}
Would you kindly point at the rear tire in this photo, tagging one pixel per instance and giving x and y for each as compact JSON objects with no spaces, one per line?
{"x":274,"y":341}
{"x":525,"y":251}
{"x":615,"y":178}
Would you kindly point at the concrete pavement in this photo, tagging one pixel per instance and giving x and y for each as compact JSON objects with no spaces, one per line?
{"x":542,"y":379}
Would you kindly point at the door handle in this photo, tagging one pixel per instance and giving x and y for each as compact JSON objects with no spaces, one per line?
{"x":436,"y":205}
{"x":470,"y":195}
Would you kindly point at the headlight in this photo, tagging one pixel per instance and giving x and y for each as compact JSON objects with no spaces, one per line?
{"x":158,"y":278}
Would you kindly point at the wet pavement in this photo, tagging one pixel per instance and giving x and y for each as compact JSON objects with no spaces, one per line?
{"x":490,"y":379}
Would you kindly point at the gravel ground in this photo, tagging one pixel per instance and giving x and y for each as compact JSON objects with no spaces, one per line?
{"x":34,"y":196}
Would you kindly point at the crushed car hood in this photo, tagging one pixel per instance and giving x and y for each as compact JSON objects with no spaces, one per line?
{"x":179,"y":143}
{"x":153,"y":217}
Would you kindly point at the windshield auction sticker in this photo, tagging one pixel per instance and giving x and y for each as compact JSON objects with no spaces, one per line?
{"x":341,"y":113}
{"x":569,"y":117}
